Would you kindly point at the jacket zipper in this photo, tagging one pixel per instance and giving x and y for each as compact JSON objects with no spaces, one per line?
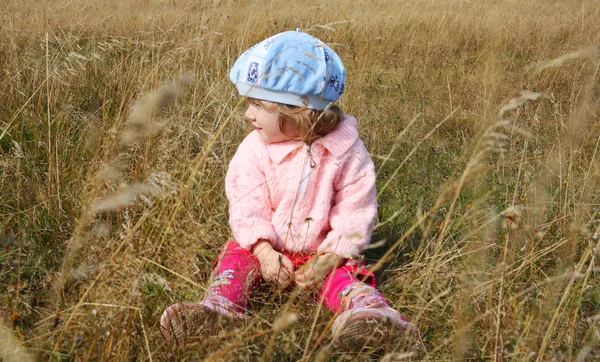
{"x":304,"y":173}
{"x":312,"y":162}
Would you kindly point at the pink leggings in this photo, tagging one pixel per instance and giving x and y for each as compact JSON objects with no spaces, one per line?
{"x":237,"y":270}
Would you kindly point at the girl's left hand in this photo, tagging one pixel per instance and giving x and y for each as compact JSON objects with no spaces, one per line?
{"x":316,"y":269}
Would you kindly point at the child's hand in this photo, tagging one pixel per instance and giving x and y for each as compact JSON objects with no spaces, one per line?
{"x":274,"y":266}
{"x":316,"y":269}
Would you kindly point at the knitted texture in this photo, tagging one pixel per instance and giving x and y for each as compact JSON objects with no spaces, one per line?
{"x":329,"y":206}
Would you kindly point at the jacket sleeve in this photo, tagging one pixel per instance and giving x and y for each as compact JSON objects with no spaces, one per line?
{"x":249,"y":200}
{"x":354,"y":212}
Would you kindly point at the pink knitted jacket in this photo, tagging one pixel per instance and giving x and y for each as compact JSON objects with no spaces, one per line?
{"x":304,"y":199}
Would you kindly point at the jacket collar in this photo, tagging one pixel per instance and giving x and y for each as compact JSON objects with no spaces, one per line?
{"x":336,"y":142}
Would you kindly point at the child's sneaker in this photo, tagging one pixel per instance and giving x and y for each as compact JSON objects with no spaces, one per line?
{"x":368,"y":322}
{"x":369,"y":328}
{"x":182,"y":321}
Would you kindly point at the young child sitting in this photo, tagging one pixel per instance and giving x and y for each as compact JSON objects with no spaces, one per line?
{"x":302,"y":198}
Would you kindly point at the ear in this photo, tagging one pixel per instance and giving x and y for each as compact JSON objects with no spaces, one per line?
{"x":308,"y":111}
{"x":288,"y":128}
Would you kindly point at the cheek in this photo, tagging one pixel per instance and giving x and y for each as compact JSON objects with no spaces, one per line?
{"x":289,"y":128}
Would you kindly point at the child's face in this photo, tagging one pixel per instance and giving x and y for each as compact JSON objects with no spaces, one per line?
{"x":265,"y":118}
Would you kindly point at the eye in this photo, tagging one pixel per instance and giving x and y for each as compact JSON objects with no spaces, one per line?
{"x":254,"y":102}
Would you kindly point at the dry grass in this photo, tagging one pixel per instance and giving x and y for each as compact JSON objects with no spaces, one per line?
{"x":111,"y":175}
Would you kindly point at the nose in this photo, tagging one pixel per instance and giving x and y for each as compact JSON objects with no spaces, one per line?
{"x":249,"y":114}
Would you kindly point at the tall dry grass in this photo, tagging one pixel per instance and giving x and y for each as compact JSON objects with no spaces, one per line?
{"x":482,"y":118}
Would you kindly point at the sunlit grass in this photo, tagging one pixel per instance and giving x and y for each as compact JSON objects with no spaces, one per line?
{"x":117,"y":123}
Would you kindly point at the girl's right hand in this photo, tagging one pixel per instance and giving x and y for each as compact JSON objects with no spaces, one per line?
{"x":274,"y":266}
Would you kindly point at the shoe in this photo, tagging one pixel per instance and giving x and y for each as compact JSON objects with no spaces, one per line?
{"x":182,"y":322}
{"x":368,"y":328}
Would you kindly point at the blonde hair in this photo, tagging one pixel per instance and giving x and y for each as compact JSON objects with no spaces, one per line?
{"x":310,"y":124}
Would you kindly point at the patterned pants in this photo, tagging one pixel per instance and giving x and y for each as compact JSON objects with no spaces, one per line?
{"x":237,"y":270}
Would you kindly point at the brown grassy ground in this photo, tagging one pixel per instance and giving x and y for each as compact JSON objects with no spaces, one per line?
{"x":112,"y":209}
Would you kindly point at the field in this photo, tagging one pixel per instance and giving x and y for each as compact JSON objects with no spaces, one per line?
{"x":118,"y":120}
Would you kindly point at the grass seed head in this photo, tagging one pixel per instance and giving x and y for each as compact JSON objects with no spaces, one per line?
{"x":123,"y":198}
{"x":323,"y":354}
{"x":516,"y":102}
{"x":284,"y":321}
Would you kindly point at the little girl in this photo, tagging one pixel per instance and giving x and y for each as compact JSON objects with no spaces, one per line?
{"x":302,"y":198}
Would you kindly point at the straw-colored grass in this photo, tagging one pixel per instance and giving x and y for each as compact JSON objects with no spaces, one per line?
{"x":118,"y":120}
